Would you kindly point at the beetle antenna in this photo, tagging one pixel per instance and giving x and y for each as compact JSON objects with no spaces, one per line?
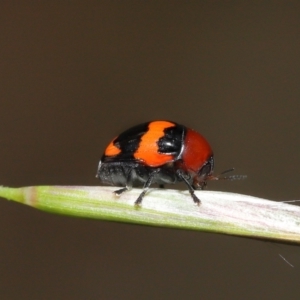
{"x":226,"y":171}
{"x":231,"y":177}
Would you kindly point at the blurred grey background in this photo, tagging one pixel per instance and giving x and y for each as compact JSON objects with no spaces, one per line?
{"x":75,"y":74}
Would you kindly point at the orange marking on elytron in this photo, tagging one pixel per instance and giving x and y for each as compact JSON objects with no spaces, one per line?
{"x":111,"y":149}
{"x":148,"y":148}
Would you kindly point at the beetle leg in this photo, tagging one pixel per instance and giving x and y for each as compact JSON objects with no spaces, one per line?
{"x":190,"y":187}
{"x":146,"y":187}
{"x":121,"y":191}
{"x":128,"y":186}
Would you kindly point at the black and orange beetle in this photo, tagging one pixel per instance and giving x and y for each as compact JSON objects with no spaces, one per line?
{"x":161,"y":152}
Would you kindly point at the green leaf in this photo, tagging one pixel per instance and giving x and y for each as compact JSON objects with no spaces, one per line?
{"x":219,"y":212}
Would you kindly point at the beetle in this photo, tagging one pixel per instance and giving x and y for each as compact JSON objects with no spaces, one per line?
{"x":161,"y":152}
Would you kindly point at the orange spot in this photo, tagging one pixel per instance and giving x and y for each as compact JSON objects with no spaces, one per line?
{"x":111,"y":149}
{"x":148,"y":148}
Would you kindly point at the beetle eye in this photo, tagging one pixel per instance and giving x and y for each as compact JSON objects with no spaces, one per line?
{"x":207,"y":169}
